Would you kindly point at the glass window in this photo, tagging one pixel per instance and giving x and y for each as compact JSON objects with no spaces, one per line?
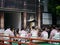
{"x":10,"y":3}
{"x":46,"y":18}
{"x":31,"y":5}
{"x":44,"y":5}
{"x":20,"y":4}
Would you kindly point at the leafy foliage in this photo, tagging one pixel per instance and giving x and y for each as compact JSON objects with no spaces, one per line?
{"x":54,"y":7}
{"x":58,"y":10}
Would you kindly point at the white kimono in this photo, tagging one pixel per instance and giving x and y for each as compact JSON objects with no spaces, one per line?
{"x":56,"y":37}
{"x":34,"y":34}
{"x":8,"y":32}
{"x":1,"y":33}
{"x":44,"y":35}
{"x":23,"y":33}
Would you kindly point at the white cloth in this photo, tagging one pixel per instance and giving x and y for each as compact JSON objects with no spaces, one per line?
{"x":23,"y":33}
{"x":19,"y":31}
{"x":34,"y":33}
{"x":56,"y":37}
{"x":8,"y":32}
{"x":44,"y":35}
{"x":53,"y":33}
{"x":1,"y":30}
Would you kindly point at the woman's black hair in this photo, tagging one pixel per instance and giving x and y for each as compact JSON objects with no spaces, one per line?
{"x":43,"y":28}
{"x":33,"y":27}
{"x":59,"y":29}
{"x":22,"y":28}
{"x":17,"y":31}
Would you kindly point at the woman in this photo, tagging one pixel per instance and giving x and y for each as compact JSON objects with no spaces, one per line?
{"x":34,"y":33}
{"x":23,"y":33}
{"x":57,"y":36}
{"x":8,"y":32}
{"x":54,"y":30}
{"x":44,"y":33}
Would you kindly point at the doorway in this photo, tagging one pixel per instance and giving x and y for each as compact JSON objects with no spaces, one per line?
{"x":12,"y":19}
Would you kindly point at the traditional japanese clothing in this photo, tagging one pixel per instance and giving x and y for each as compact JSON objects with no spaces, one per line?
{"x":23,"y":33}
{"x":44,"y":35}
{"x":34,"y":34}
{"x":53,"y":33}
{"x":56,"y":37}
{"x":8,"y":32}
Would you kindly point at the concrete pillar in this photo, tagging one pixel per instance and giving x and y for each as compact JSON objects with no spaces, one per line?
{"x":2,"y":19}
{"x":19,"y":23}
{"x":25,"y":13}
{"x":25,"y":19}
{"x":39,"y":18}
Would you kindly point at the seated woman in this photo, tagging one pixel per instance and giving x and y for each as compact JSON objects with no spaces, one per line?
{"x":23,"y":33}
{"x":34,"y":33}
{"x":8,"y":32}
{"x":44,"y":34}
{"x":57,"y":36}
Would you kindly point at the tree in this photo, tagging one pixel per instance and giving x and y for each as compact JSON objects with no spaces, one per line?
{"x":54,"y":6}
{"x":54,"y":9}
{"x":58,"y":10}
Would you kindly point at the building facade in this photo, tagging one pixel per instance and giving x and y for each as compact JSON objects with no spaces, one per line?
{"x":17,"y":13}
{"x":24,"y":13}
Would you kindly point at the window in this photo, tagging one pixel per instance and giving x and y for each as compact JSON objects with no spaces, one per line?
{"x":10,"y":3}
{"x":20,"y":4}
{"x":31,"y":5}
{"x":46,"y":18}
{"x":44,"y":5}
